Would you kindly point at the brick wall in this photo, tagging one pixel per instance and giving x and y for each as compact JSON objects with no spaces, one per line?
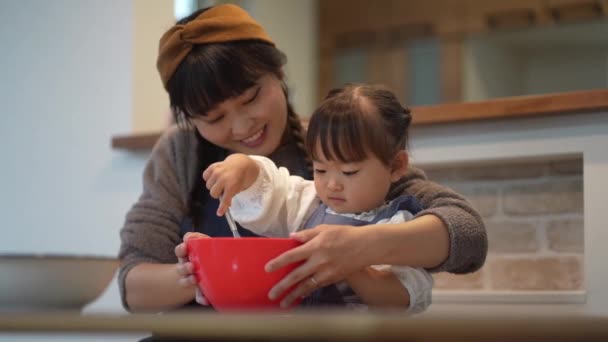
{"x":533,"y":213}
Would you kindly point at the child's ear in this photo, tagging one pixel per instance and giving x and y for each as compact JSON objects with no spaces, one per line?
{"x":399,"y":165}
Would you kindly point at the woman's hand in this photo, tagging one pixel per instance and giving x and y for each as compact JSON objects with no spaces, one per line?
{"x":331,"y":253}
{"x":227,"y":178}
{"x":185,"y":269}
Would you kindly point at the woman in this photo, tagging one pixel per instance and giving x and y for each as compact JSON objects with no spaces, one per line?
{"x":225,"y":83}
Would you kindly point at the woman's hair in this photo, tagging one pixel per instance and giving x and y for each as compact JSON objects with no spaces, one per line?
{"x":215,"y":72}
{"x":356,"y":120}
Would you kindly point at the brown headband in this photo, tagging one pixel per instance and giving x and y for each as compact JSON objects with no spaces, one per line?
{"x":224,"y":23}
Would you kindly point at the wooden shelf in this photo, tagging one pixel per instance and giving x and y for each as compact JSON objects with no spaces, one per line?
{"x":512,"y":107}
{"x":135,"y":141}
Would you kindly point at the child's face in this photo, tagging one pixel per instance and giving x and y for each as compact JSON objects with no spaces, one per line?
{"x":354,"y":187}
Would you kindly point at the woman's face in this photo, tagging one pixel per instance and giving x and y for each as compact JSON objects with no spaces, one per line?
{"x":251,"y":123}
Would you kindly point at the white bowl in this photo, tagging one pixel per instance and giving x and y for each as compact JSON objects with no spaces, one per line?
{"x":49,"y":282}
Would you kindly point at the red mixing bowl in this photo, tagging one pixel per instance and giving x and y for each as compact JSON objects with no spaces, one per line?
{"x":230,"y":272}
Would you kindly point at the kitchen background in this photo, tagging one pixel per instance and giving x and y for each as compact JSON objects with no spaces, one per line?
{"x":75,"y":73}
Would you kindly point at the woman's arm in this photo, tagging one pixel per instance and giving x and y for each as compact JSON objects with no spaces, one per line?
{"x":332,"y":253}
{"x":422,"y":242}
{"x":374,"y":288}
{"x":451,"y":217}
{"x":151,"y":233}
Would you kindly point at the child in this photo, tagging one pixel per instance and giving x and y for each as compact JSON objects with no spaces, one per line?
{"x":356,"y":140}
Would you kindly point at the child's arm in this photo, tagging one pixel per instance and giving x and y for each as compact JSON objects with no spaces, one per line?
{"x":276,"y":203}
{"x":378,"y":288}
{"x":385,"y":287}
{"x":227,"y":178}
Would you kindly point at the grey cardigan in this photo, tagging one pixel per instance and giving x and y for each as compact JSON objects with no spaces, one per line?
{"x":152,"y":226}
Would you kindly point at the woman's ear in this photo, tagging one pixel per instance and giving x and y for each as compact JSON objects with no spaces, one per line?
{"x":399,"y":165}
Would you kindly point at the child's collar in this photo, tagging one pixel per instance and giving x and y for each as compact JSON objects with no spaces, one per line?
{"x":367,"y":216}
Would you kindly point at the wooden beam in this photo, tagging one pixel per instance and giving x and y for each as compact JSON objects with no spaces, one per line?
{"x":513,"y":107}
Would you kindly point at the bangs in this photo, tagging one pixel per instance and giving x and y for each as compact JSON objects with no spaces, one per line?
{"x":343,"y":131}
{"x":214,"y":73}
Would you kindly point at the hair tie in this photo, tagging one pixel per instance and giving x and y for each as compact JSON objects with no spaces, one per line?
{"x":224,"y":23}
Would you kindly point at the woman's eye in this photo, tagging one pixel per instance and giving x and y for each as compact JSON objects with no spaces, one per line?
{"x":218,"y":119}
{"x":319,"y":171}
{"x":254,"y":96}
{"x":349,"y":173}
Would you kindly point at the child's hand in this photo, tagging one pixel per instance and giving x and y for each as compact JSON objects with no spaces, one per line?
{"x":227,"y":178}
{"x":184,"y":267}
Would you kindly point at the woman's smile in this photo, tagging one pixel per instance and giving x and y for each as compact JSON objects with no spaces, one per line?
{"x":256,"y":139}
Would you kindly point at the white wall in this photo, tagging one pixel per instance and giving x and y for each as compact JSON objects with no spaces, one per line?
{"x":65,"y":71}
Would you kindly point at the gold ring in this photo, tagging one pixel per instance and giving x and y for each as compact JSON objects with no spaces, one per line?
{"x":314,"y":281}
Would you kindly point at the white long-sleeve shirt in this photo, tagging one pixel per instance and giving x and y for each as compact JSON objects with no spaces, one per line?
{"x":278,"y":203}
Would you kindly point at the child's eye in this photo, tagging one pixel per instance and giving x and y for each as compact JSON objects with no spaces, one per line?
{"x":321,"y":171}
{"x":349,"y":173}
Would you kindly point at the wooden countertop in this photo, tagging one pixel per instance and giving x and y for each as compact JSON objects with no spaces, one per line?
{"x":503,"y":108}
{"x":519,"y":326}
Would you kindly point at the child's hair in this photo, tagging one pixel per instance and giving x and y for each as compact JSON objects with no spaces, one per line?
{"x":213,"y":73}
{"x":356,"y":120}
